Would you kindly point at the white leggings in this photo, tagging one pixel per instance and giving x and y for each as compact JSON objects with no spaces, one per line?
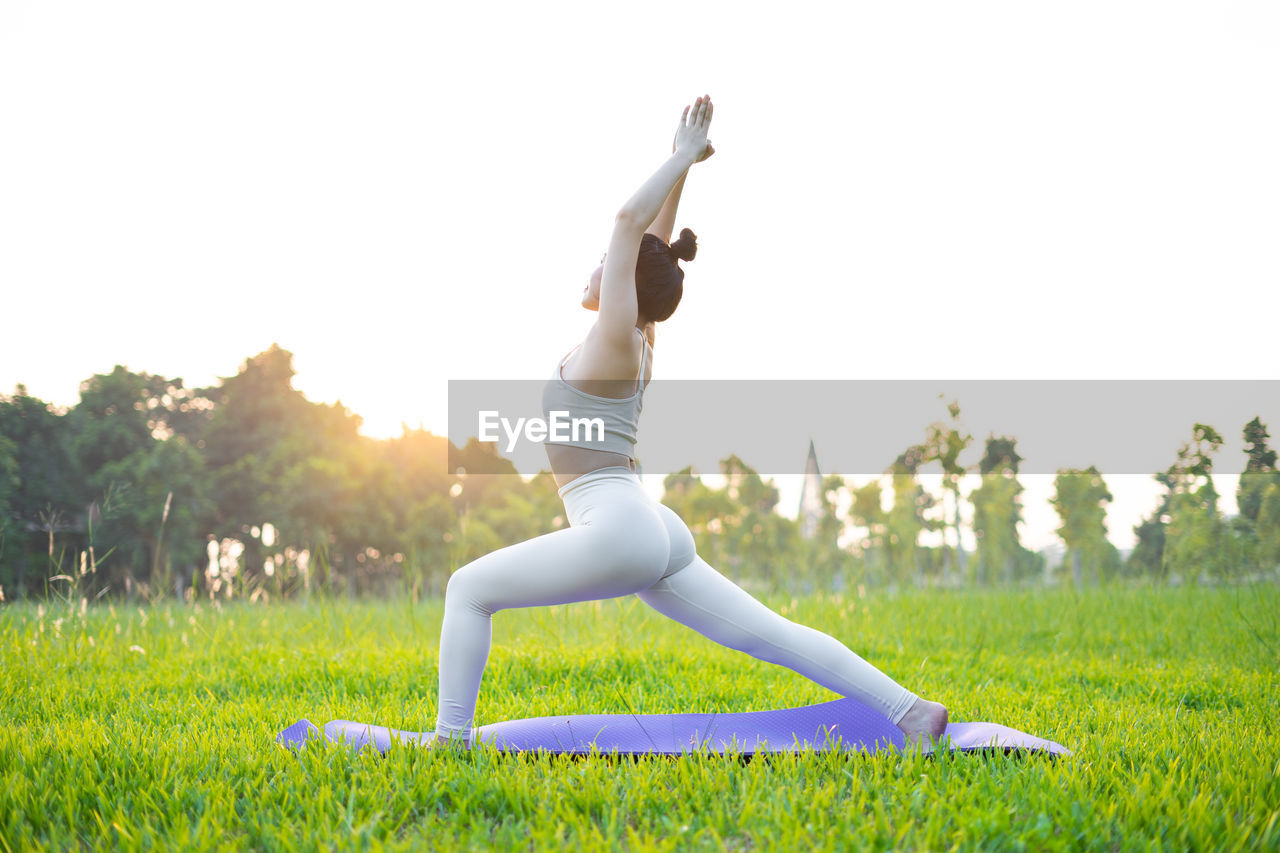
{"x":621,"y":541}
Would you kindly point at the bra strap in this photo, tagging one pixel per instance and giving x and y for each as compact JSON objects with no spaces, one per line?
{"x":644,"y":346}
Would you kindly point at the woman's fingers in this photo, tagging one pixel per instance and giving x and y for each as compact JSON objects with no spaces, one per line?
{"x":701,"y":113}
{"x":694,"y":122}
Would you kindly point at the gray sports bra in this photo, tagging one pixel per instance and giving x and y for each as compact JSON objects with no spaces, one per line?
{"x":587,"y":420}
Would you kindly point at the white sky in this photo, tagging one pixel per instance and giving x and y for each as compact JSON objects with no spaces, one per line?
{"x":407,"y":193}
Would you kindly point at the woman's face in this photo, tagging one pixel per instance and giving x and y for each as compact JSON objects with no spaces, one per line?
{"x":591,"y":293}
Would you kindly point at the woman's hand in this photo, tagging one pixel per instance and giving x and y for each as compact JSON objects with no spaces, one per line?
{"x":707,"y":152}
{"x":691,"y":134}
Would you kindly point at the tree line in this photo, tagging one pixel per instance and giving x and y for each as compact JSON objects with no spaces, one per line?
{"x":147,"y":487}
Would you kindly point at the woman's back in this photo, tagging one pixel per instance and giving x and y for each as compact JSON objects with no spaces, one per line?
{"x":598,"y":417}
{"x":607,"y":371}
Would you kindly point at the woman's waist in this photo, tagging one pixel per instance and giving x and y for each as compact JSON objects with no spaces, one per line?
{"x":600,"y":487}
{"x":568,"y":463}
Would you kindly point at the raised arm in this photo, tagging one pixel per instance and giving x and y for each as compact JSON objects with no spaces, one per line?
{"x":665,"y":223}
{"x":619,"y":309}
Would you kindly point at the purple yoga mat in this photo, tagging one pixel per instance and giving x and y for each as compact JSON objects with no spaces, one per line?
{"x":843,"y":725}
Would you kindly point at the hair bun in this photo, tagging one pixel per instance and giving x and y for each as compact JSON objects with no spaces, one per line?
{"x":686,"y":247}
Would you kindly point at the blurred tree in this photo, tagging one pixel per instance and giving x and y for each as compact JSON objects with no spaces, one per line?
{"x":1147,"y":557}
{"x":867,"y":512}
{"x":124,"y":442}
{"x":997,"y":512}
{"x":276,"y":458}
{"x":484,"y":473}
{"x":154,"y":471}
{"x":1267,"y":555}
{"x":1000,"y":455}
{"x":907,"y":518}
{"x":1080,"y":498}
{"x":944,"y":444}
{"x":1186,"y":532}
{"x":737,"y":531}
{"x":415,"y":488}
{"x":49,"y":499}
{"x":164,"y":513}
{"x":745,"y":530}
{"x":9,"y":483}
{"x":1252,"y":527}
{"x":248,"y":448}
{"x":1197,"y":538}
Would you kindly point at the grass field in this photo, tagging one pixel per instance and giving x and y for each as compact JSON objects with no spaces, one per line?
{"x":154,"y":727}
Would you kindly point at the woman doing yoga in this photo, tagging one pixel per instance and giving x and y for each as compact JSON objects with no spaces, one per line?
{"x":620,"y":540}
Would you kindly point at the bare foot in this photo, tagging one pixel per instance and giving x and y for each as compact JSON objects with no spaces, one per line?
{"x":923,"y":724}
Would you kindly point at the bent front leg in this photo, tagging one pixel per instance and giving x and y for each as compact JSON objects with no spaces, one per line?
{"x":574,"y":564}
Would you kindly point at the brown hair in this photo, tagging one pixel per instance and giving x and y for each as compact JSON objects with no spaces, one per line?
{"x":659,"y":279}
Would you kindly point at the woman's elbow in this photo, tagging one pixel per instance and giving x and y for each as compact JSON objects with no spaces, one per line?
{"x":628,"y":219}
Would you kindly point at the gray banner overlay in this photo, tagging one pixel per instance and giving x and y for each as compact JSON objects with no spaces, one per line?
{"x":859,"y":427}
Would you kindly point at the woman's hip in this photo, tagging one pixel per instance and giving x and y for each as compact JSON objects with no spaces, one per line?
{"x":615,"y":497}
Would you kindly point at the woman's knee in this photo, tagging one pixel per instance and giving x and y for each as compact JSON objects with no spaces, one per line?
{"x":462,"y":588}
{"x":475,"y":586}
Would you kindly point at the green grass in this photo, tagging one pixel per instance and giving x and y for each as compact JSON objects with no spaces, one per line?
{"x":1168,"y":697}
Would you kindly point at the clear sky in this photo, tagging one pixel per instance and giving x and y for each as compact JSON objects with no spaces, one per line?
{"x":407,"y":193}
